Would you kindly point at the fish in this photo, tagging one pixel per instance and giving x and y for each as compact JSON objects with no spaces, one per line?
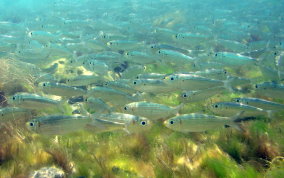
{"x":124,"y":44}
{"x":173,"y":56}
{"x":97,"y":105}
{"x":151,"y":76}
{"x":231,"y":108}
{"x":113,"y":96}
{"x":155,"y":86}
{"x":270,"y":89}
{"x":99,"y":67}
{"x":191,"y":38}
{"x":8,"y":114}
{"x":192,"y":82}
{"x":139,"y":57}
{"x":196,"y":122}
{"x":260,"y":103}
{"x":127,"y":122}
{"x":121,"y":84}
{"x":233,"y":59}
{"x":57,"y":124}
{"x":201,"y":95}
{"x":32,"y":101}
{"x":153,"y":111}
{"x":83,"y":80}
{"x":61,"y":89}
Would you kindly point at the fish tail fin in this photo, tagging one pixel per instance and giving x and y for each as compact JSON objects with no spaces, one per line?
{"x":237,"y":126}
{"x":179,"y":107}
{"x":227,"y":84}
{"x":270,"y":114}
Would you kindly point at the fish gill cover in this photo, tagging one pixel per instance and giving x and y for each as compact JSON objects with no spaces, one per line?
{"x":141,"y":88}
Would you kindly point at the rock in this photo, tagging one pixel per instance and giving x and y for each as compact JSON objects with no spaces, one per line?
{"x":48,"y":172}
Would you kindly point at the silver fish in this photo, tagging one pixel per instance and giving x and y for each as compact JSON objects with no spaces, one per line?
{"x":195,"y":122}
{"x":57,"y":124}
{"x":150,"y":110}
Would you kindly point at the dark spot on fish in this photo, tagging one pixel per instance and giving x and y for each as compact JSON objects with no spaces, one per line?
{"x":118,"y":69}
{"x":74,"y":100}
{"x":120,"y":52}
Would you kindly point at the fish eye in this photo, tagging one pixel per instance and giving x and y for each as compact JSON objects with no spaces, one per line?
{"x":238,"y":100}
{"x":216,"y":55}
{"x":14,"y":98}
{"x":184,"y":95}
{"x":176,"y":36}
{"x":256,"y":86}
{"x":172,"y":122}
{"x":225,"y":72}
{"x":216,"y":106}
{"x":134,"y":82}
{"x":32,"y":124}
{"x":71,"y":61}
{"x":152,"y":46}
{"x":104,"y":36}
{"x":68,"y":80}
{"x":44,"y":84}
{"x":125,"y":108}
{"x":31,"y":33}
{"x":143,"y":122}
{"x":110,"y":43}
{"x":172,"y":78}
{"x":159,"y":52}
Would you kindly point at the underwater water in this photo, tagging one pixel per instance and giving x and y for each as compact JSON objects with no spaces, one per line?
{"x":141,"y":88}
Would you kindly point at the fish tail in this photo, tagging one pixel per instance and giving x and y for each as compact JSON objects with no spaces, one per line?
{"x":227,"y":84}
{"x":179,"y":107}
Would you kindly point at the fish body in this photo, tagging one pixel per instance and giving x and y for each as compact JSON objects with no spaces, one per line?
{"x":154,"y":86}
{"x":233,"y":59}
{"x":270,"y":89}
{"x":124,"y":44}
{"x":97,"y":105}
{"x":173,"y":56}
{"x":195,"y":122}
{"x":191,"y":82}
{"x":61,"y":89}
{"x":201,"y":95}
{"x":129,"y":123}
{"x":13,"y":113}
{"x":83,"y":80}
{"x":231,"y":108}
{"x":32,"y":101}
{"x":57,"y":124}
{"x":153,"y":111}
{"x":260,"y":103}
{"x":115,"y":97}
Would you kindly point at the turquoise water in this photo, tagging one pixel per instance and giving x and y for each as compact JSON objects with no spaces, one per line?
{"x":136,"y":88}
